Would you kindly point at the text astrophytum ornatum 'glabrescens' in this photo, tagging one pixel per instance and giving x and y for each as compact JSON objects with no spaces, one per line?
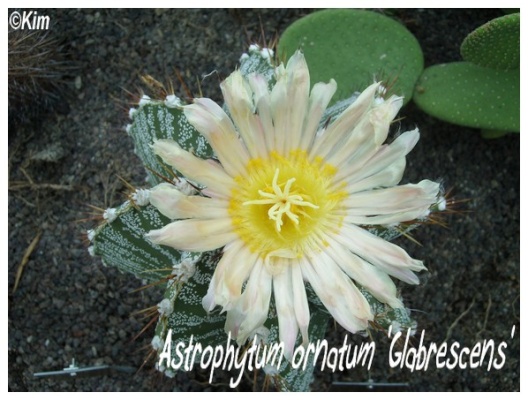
{"x":288,"y":199}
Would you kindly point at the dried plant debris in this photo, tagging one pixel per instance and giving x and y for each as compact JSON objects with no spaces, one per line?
{"x":38,"y":74}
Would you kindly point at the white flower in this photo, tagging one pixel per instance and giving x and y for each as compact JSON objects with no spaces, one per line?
{"x":287,"y":201}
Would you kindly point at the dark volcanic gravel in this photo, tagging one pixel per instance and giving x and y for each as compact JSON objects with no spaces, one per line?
{"x":69,"y":306}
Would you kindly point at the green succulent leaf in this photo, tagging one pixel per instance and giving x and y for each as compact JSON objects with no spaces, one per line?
{"x":352,"y":45}
{"x":469,"y":95}
{"x":495,"y":44}
{"x":492,"y":133}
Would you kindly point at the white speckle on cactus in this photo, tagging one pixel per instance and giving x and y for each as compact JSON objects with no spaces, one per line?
{"x":160,"y":367}
{"x":379,"y":100}
{"x":91,"y":251}
{"x":141,"y":197}
{"x":270,"y":370}
{"x":244,"y":56}
{"x":144,"y":100}
{"x":413,"y":328}
{"x":260,"y":335}
{"x":395,"y":327}
{"x":184,"y":186}
{"x":91,"y":234}
{"x":442,"y":205}
{"x":267,"y":54}
{"x":184,"y":270}
{"x":110,"y":214}
{"x":165,"y":307}
{"x":127,"y":128}
{"x":131,"y":113}
{"x":169,"y":373}
{"x":254,"y":48}
{"x":173,"y":101}
{"x":157,"y":343}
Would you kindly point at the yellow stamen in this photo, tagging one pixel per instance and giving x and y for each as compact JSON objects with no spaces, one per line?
{"x":282,"y":202}
{"x":277,"y":217}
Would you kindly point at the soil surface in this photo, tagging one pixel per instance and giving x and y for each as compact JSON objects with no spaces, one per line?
{"x":68,"y":306}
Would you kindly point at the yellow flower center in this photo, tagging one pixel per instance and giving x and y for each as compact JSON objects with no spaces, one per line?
{"x":282,"y":204}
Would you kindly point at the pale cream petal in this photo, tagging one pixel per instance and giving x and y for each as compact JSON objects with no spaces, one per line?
{"x":211,"y":300}
{"x":387,"y":177}
{"x":172,"y":203}
{"x":319,"y":98}
{"x":239,"y":99}
{"x":392,"y":205}
{"x":384,"y":157}
{"x":234,"y":318}
{"x":279,"y":104}
{"x":194,"y":234}
{"x":212,"y":122}
{"x":394,"y":199}
{"x":262,"y":99}
{"x":366,"y":138}
{"x":298,"y":99}
{"x":284,"y":304}
{"x":337,"y":292}
{"x":194,"y":168}
{"x":367,"y":275}
{"x":289,"y":103}
{"x":344,"y":124}
{"x":251,"y":309}
{"x":388,"y":219}
{"x":236,"y":267}
{"x":300,"y":301}
{"x":388,"y":257}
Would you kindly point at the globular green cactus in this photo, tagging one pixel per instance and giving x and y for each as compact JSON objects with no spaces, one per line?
{"x":469,"y":95}
{"x":120,"y":241}
{"x":354,"y":47}
{"x":495,"y":44}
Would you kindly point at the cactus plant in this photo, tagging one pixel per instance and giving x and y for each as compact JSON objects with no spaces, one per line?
{"x":465,"y":94}
{"x":495,"y":44}
{"x":120,"y":240}
{"x":484,"y":91}
{"x":353,"y":47}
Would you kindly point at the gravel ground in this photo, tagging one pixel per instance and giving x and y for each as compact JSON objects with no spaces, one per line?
{"x":69,"y":306}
